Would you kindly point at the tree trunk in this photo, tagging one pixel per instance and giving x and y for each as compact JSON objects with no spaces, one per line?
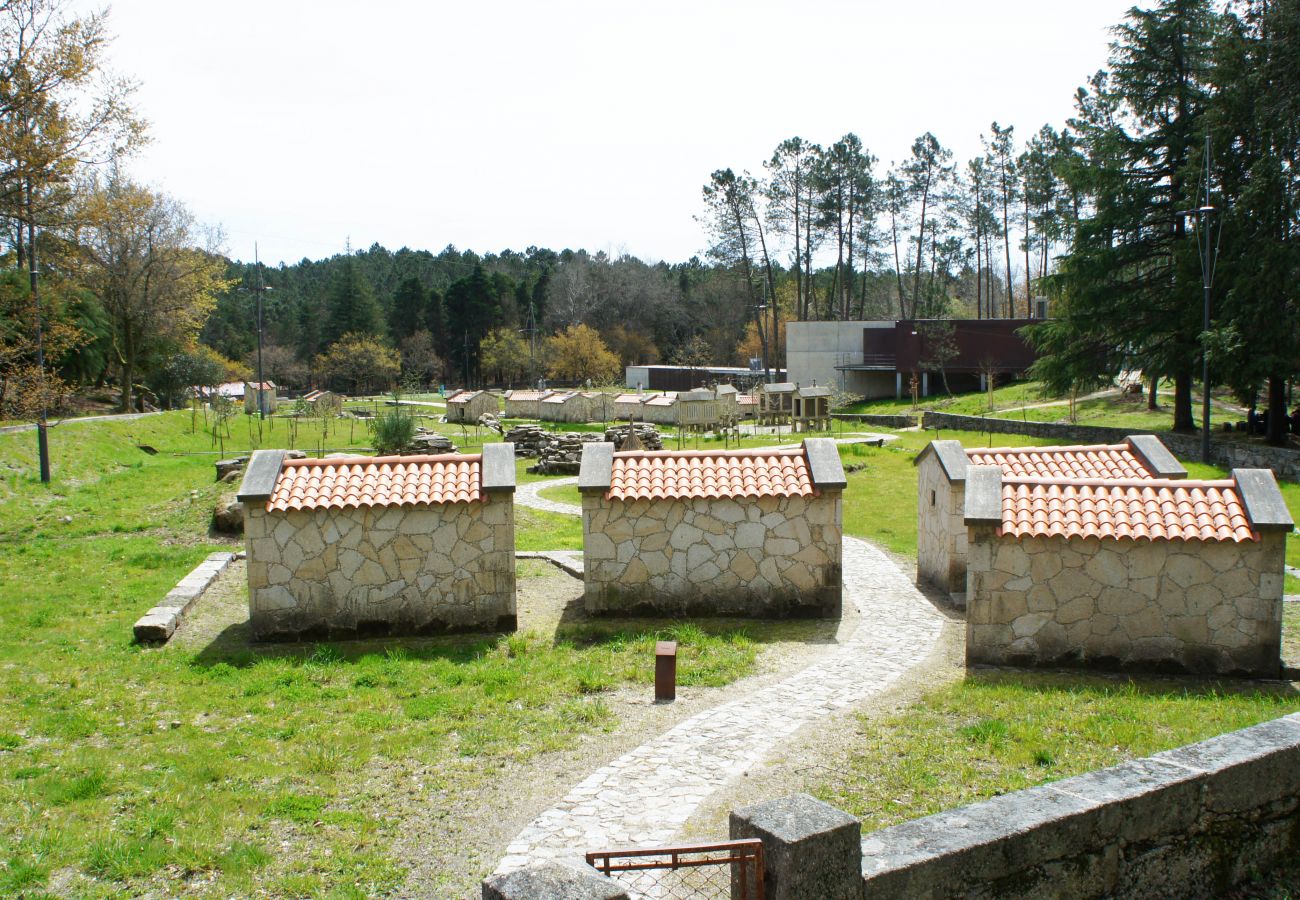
{"x":1277,"y":421}
{"x":1006,"y":245}
{"x":1029,"y":303}
{"x":898,"y":267}
{"x":1153,"y":399}
{"x":1183,"y":420}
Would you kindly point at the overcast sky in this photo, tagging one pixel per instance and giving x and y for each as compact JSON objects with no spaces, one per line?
{"x":493,"y":125}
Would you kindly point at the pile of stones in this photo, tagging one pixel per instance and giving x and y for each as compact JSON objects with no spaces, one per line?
{"x":647,"y":436}
{"x":431,"y":442}
{"x":529,"y":440}
{"x":564,"y":455}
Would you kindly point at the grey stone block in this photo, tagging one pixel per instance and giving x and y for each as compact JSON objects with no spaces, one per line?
{"x":597,"y":470}
{"x":260,"y":477}
{"x":1250,"y":769}
{"x":983,"y":495}
{"x":1156,"y":455}
{"x":810,"y":849}
{"x":824,"y":466}
{"x":1263,"y":500}
{"x":553,"y":881}
{"x":154,"y":627}
{"x":499,"y":468}
{"x":1142,"y":800}
{"x":951,"y":455}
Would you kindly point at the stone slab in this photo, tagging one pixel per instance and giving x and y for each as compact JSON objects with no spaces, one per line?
{"x":810,"y":849}
{"x":260,"y":476}
{"x":155,"y":627}
{"x":553,"y":881}
{"x":597,"y":470}
{"x":1159,"y":460}
{"x":951,"y":455}
{"x":160,"y":622}
{"x":1264,"y":503}
{"x":498,"y":467}
{"x":824,"y":466}
{"x":983,"y":495}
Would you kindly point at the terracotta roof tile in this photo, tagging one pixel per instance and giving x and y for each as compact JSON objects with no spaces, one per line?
{"x":662,"y":400}
{"x":630,"y":398}
{"x":527,"y":395}
{"x":1095,"y":461}
{"x":559,"y":398}
{"x":706,"y":473}
{"x":747,"y":400}
{"x":377,"y":481}
{"x":1138,"y":509}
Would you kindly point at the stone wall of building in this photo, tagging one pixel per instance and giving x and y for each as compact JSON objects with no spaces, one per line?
{"x":1228,"y":454}
{"x":941,"y":529}
{"x":381,"y":570}
{"x":766,"y":556}
{"x":1210,"y":607}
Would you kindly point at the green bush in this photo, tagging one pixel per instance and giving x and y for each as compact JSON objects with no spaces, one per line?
{"x":392,"y":431}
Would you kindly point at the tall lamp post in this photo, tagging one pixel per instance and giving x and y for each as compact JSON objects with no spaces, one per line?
{"x":1202,"y":220}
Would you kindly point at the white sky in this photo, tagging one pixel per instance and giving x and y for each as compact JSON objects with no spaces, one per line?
{"x":558,"y":123}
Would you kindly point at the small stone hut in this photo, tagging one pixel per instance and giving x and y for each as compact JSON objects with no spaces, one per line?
{"x":812,"y":408}
{"x":466,"y":406}
{"x":600,"y":406}
{"x":697,"y":410}
{"x":1129,"y":573}
{"x":380,"y":545}
{"x":259,"y":392}
{"x":728,"y":402}
{"x":747,"y":404}
{"x":630,"y":406}
{"x":525,"y":404}
{"x":741,"y":532}
{"x":565,"y":406}
{"x":661,"y":410}
{"x":941,"y":490}
{"x":776,"y":403}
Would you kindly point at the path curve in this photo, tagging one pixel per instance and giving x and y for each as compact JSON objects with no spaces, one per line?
{"x":644,"y":797}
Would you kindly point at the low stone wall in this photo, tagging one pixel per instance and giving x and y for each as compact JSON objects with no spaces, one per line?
{"x":1284,"y":463}
{"x":764,"y":556}
{"x":1190,"y":822}
{"x":381,"y":570}
{"x":879,"y":420}
{"x":1210,"y":607}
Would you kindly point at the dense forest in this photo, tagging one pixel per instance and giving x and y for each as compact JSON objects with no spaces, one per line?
{"x":1093,"y":219}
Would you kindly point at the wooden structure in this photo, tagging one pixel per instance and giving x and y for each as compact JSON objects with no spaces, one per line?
{"x":259,"y":392}
{"x":812,"y":408}
{"x":776,"y":403}
{"x":465,"y":407}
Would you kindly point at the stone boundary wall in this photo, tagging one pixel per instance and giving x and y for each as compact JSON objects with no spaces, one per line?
{"x":882,"y":420}
{"x":1284,"y":463}
{"x":161,"y":622}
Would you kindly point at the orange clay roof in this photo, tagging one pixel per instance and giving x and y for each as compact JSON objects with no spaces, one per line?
{"x":526,"y":395}
{"x":662,"y":400}
{"x":630,"y":398}
{"x":1139,"y":509}
{"x":687,"y":474}
{"x":747,"y":400}
{"x":559,"y":398}
{"x":377,"y":481}
{"x":1094,"y":461}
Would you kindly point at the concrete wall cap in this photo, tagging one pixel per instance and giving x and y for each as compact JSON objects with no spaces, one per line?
{"x":261,"y":475}
{"x":983,"y":495}
{"x":498,"y":468}
{"x":596,"y":472}
{"x":1156,"y":455}
{"x":951,"y":455}
{"x":824,"y":466}
{"x":1263,"y":500}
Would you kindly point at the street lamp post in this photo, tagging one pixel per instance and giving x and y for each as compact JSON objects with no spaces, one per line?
{"x":1202,"y":220}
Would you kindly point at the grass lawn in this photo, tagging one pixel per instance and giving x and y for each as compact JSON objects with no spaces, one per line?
{"x":996,"y":732}
{"x":227,"y":771}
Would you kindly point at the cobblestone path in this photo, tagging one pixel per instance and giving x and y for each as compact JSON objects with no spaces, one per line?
{"x":645,"y":796}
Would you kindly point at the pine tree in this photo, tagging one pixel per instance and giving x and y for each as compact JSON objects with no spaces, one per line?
{"x":410,"y":309}
{"x":350,"y":305}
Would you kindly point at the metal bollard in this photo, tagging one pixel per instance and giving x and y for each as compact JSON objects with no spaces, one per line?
{"x":665,"y":670}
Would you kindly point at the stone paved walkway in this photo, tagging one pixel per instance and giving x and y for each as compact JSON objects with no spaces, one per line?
{"x":645,"y":796}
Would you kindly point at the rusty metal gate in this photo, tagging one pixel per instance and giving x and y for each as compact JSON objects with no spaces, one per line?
{"x":727,"y":869}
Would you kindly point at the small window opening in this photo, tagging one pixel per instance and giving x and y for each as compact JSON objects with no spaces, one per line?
{"x":932,"y":498}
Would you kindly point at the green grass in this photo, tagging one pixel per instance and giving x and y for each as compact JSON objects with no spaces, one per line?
{"x":563,"y":493}
{"x":995,"y":733}
{"x":228,"y":769}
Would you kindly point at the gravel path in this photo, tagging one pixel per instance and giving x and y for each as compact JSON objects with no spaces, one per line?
{"x":645,"y":796}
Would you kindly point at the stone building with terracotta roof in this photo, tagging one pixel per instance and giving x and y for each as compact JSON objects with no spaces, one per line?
{"x":630,"y":406}
{"x":740,"y":532}
{"x":467,"y":406}
{"x":380,"y":545}
{"x":259,"y":392}
{"x":1125,"y":573}
{"x":565,"y":406}
{"x":525,"y":404}
{"x":661,"y":409}
{"x":941,"y":490}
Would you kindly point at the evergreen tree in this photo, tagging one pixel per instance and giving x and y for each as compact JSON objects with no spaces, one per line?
{"x":471,"y":309}
{"x":350,"y":305}
{"x":410,"y":309}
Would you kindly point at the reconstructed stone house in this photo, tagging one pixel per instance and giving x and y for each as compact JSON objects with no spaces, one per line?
{"x":380,"y":545}
{"x":741,"y":532}
{"x":630,"y":406}
{"x":661,"y":409}
{"x":600,"y":406}
{"x":697,"y":409}
{"x":259,"y":395}
{"x":1126,"y":573}
{"x":566,"y":406}
{"x":776,"y":403}
{"x":728,"y":402}
{"x":467,"y":406}
{"x":525,"y":404}
{"x":941,"y":490}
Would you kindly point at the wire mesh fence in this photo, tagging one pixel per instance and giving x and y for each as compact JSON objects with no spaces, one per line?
{"x":728,"y":869}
